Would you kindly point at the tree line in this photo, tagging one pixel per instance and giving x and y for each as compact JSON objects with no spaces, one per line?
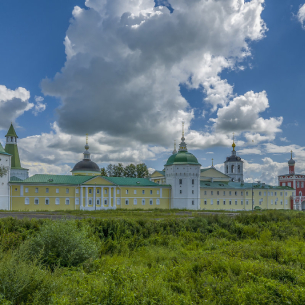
{"x":131,"y":170}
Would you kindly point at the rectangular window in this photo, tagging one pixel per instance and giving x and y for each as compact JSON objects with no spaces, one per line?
{"x":224,"y":193}
{"x":143,"y":192}
{"x":281,"y":202}
{"x":247,"y":202}
{"x":97,"y":191}
{"x":235,"y":202}
{"x":271,"y":193}
{"x":271,"y":201}
{"x":90,"y":191}
{"x":193,"y":192}
{"x":27,"y":201}
{"x":180,"y":191}
{"x":260,"y":193}
{"x":264,"y":193}
{"x":260,"y":202}
{"x":106,"y":191}
{"x":302,"y":184}
{"x":241,"y":193}
{"x":134,"y":192}
{"x":268,"y":193}
{"x":67,"y":191}
{"x":26,"y":189}
{"x":217,"y":202}
{"x":36,"y":190}
{"x":230,"y":193}
{"x":158,"y":192}
{"x":235,"y":193}
{"x":36,"y":201}
{"x":211,"y":192}
{"x":105,"y":201}
{"x":286,"y":194}
{"x":77,"y":191}
{"x":211,"y":201}
{"x":57,"y":201}
{"x":135,"y":202}
{"x":224,"y":202}
{"x":298,"y":184}
{"x":205,"y":202}
{"x":193,"y":202}
{"x":242,"y":202}
{"x":118,"y":201}
{"x":98,"y":202}
{"x":230,"y":202}
{"x":275,"y":202}
{"x":76,"y":201}
{"x":67,"y":201}
{"x":217,"y":192}
{"x":193,"y":181}
{"x":47,"y":190}
{"x":126,"y":201}
{"x":150,"y":192}
{"x":283,"y":184}
{"x":281,"y":193}
{"x":274,"y":193}
{"x":247,"y":193}
{"x":90,"y":201}
{"x":180,"y":181}
{"x":289,"y":184}
{"x":57,"y":191}
{"x":118,"y":192}
{"x":286,"y":202}
{"x":205,"y":192}
{"x":126,"y":192}
{"x":47,"y":201}
{"x":158,"y":201}
{"x":150,"y":202}
{"x":143,"y":201}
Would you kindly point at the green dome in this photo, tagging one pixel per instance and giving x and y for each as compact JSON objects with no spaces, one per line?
{"x":182,"y":157}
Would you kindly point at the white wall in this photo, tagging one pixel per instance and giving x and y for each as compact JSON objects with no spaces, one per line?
{"x":4,"y":183}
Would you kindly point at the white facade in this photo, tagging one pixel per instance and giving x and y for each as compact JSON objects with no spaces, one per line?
{"x":5,"y":161}
{"x":185,"y":182}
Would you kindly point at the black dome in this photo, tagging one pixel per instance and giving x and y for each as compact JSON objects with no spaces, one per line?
{"x":86,"y":165}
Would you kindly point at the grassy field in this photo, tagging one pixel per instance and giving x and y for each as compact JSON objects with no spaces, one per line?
{"x":155,"y":257}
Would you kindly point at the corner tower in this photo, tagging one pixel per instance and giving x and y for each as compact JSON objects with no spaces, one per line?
{"x":182,"y":172}
{"x":233,"y":166}
{"x":12,"y":149}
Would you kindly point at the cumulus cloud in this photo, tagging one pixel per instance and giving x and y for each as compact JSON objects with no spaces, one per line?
{"x":127,"y":58}
{"x":39,"y":106}
{"x":242,"y":114}
{"x":13,"y":103}
{"x":248,"y":151}
{"x":301,"y":15}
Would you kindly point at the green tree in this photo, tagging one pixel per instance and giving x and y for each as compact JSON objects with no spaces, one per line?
{"x":142,"y":170}
{"x":130,"y":171}
{"x":3,"y":171}
{"x":104,"y":172}
{"x":110,"y":170}
{"x":118,"y":170}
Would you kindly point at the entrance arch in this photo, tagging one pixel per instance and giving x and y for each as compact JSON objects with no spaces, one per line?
{"x":303,"y":206}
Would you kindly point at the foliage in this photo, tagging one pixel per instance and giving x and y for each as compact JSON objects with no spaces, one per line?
{"x":104,"y":172}
{"x":142,"y":170}
{"x":61,"y":243}
{"x":3,"y":171}
{"x":252,"y":258}
{"x":131,"y":170}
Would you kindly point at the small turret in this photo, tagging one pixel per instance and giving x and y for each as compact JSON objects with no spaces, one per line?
{"x":291,"y":165}
{"x":175,"y":150}
{"x":182,"y":146}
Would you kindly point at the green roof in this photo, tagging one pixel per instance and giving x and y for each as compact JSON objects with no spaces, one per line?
{"x":12,"y":149}
{"x":239,"y":185}
{"x":14,"y":179}
{"x":11,"y":132}
{"x":122,"y":181}
{"x":56,"y":179}
{"x":2,"y":151}
{"x":182,"y":157}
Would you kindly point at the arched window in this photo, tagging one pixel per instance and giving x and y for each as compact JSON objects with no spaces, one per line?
{"x":232,"y":168}
{"x":238,"y":168}
{"x":300,"y":193}
{"x":238,"y":179}
{"x":12,"y":139}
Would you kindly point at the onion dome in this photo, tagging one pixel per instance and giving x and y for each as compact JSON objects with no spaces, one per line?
{"x":233,"y":157}
{"x":183,"y":156}
{"x":291,"y":161}
{"x":86,"y":165}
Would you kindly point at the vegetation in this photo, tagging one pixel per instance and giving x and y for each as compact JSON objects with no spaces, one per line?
{"x":252,"y":258}
{"x":131,"y":170}
{"x":3,"y":171}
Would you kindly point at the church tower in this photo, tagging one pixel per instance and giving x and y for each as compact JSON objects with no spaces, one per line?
{"x":182,"y":172}
{"x":233,"y":166}
{"x":5,"y":165}
{"x":12,"y":149}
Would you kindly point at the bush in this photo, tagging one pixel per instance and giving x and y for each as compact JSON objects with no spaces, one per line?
{"x":61,"y":243}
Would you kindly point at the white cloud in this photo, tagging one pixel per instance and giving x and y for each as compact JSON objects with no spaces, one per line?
{"x":39,"y":106}
{"x":248,"y":151}
{"x":242,"y":114}
{"x":13,"y":103}
{"x":301,"y":15}
{"x":284,"y":139}
{"x":127,"y":58}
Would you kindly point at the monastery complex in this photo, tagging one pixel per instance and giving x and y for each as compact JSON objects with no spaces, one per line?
{"x":182,"y":184}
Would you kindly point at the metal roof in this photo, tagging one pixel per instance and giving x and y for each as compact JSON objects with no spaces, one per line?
{"x":239,"y":185}
{"x":125,"y":181}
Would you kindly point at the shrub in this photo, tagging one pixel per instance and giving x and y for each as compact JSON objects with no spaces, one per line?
{"x":61,"y":243}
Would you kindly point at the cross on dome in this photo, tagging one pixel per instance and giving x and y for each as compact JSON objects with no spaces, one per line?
{"x":182,"y":146}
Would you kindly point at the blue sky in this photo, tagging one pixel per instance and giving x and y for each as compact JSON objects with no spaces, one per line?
{"x":175,"y":79}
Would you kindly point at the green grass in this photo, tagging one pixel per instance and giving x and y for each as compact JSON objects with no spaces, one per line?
{"x":252,"y":258}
